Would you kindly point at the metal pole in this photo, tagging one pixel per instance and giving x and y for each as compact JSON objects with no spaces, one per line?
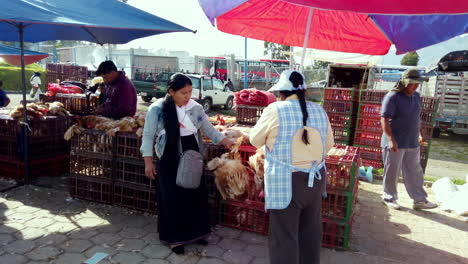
{"x":306,"y":38}
{"x":245,"y":65}
{"x":27,"y":178}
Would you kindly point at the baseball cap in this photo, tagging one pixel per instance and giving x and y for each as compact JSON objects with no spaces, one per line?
{"x":105,"y":67}
{"x":284,"y":84}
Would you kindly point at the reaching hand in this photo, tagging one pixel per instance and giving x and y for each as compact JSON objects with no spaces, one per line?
{"x":228,"y":142}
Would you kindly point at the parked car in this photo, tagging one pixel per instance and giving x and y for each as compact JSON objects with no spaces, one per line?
{"x":209,"y":92}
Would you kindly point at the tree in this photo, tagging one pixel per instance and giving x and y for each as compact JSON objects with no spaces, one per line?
{"x":318,"y":64}
{"x":276,"y":50}
{"x":410,"y":59}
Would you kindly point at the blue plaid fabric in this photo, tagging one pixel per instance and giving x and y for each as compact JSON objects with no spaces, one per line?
{"x":278,"y":165}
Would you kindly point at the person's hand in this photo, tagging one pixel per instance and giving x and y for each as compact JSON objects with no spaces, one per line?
{"x":150,"y":170}
{"x":392,"y":145}
{"x":228,"y":142}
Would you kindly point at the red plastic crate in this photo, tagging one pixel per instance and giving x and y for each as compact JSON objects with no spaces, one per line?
{"x":429,"y":103}
{"x":370,"y":139}
{"x":337,"y":107}
{"x":369,"y":111}
{"x":46,"y":167}
{"x":212,"y":151}
{"x":339,"y":205}
{"x":377,"y":164}
{"x":246,"y":151}
{"x":91,"y":167}
{"x":428,"y":118}
{"x":368,"y":124}
{"x":371,"y":96}
{"x":339,"y":94}
{"x":246,"y":114}
{"x":372,"y":153}
{"x":342,"y":171}
{"x":335,"y":234}
{"x":135,"y":197}
{"x":128,"y":145}
{"x":341,"y":134}
{"x":248,"y":216}
{"x":91,"y":189}
{"x":341,"y":121}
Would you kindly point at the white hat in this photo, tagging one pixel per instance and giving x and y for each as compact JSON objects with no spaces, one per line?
{"x":284,"y":84}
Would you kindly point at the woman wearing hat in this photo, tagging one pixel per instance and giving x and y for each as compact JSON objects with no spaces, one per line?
{"x":401,"y":124}
{"x":297,"y":135}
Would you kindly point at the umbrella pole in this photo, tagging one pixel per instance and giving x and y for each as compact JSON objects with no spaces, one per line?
{"x":27,"y":179}
{"x":306,"y":38}
{"x":245,"y":65}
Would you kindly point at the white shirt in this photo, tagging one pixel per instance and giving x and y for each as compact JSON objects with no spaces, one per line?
{"x":36,"y":81}
{"x":187,"y":128}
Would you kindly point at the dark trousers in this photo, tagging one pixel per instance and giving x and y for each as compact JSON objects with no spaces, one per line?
{"x":296,"y":231}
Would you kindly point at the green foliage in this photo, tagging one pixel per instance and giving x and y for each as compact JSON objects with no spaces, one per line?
{"x":321,"y":64}
{"x":455,"y":181}
{"x":410,"y":59}
{"x":11,"y":76}
{"x":275,"y":50}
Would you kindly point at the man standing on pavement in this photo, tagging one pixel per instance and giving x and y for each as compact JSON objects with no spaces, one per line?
{"x":121,"y":98}
{"x":401,"y":109}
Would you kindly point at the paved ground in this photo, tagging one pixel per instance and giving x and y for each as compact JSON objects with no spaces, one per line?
{"x":41,"y":225}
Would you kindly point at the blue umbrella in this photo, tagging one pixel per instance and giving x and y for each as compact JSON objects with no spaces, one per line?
{"x":99,"y":21}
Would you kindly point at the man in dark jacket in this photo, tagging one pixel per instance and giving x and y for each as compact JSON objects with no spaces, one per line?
{"x":120,"y":93}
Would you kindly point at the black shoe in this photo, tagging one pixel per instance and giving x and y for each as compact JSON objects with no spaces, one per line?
{"x":202,"y":242}
{"x":179,"y":250}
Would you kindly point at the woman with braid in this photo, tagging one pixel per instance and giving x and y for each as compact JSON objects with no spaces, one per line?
{"x":297,"y":135}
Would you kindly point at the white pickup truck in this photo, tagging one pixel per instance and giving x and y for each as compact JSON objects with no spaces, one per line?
{"x":209,"y":92}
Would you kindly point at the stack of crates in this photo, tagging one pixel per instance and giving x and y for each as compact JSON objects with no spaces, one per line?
{"x":65,"y":72}
{"x":77,"y":104}
{"x":428,"y":117}
{"x":110,"y":170}
{"x":48,"y":151}
{"x":368,"y":128}
{"x":342,"y":191}
{"x":340,"y":105}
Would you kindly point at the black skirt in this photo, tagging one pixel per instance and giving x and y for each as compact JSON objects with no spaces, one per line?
{"x":183,"y":214}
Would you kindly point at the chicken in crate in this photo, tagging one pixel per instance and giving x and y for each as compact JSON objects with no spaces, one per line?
{"x":342,"y":168}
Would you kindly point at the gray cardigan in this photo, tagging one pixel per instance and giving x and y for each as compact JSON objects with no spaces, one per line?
{"x":155,"y":123}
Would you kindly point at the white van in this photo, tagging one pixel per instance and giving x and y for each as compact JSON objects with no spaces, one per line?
{"x":209,"y":91}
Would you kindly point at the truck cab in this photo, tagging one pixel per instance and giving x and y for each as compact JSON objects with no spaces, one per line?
{"x":148,"y":86}
{"x":210,"y":91}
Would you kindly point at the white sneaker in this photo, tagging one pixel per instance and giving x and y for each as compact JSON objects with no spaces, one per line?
{"x":392,"y":204}
{"x":424,"y":205}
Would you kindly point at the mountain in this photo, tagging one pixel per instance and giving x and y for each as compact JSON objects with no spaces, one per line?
{"x":432,"y":54}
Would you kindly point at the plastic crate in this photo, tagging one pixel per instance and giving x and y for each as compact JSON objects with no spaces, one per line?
{"x":376,"y":164}
{"x":337,"y":107}
{"x":429,"y":103}
{"x":79,"y":104}
{"x":370,"y":139}
{"x":46,"y":167}
{"x":131,"y":171}
{"x":368,"y":124}
{"x":246,"y":151}
{"x":342,"y":171}
{"x":128,"y":146}
{"x":335,"y":234}
{"x":341,"y":121}
{"x":426,"y":132}
{"x":369,"y":111}
{"x":342,"y":143}
{"x":212,"y":151}
{"x":247,"y":216}
{"x":372,"y":153}
{"x":47,"y":98}
{"x":91,"y":167}
{"x":213,"y":210}
{"x":246,"y":114}
{"x":49,"y":126}
{"x":210,"y":184}
{"x":339,"y":94}
{"x":371,"y":96}
{"x":91,"y":189}
{"x":341,"y":134}
{"x":94,"y":143}
{"x":428,"y":118}
{"x":339,"y":205}
{"x":135,"y":197}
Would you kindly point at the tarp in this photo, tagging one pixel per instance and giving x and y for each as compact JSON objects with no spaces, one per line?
{"x":100,"y":21}
{"x":12,"y":55}
{"x":344,"y":31}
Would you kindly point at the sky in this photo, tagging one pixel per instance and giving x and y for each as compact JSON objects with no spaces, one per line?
{"x":208,"y":41}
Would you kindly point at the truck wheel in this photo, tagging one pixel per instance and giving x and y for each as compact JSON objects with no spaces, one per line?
{"x":436,"y":132}
{"x":206,"y":105}
{"x":229,"y":104}
{"x":147,"y":98}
